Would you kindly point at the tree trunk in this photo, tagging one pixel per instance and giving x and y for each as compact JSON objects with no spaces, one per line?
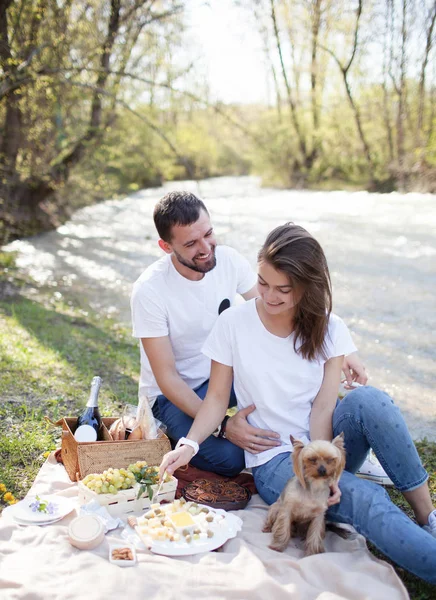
{"x":316,"y":24}
{"x":421,"y":89}
{"x":12,"y":123}
{"x":386,"y":99}
{"x":345,"y":70}
{"x":401,"y":116}
{"x":291,"y":103}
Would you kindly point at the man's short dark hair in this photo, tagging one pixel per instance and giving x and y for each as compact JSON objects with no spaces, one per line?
{"x":176,"y":208}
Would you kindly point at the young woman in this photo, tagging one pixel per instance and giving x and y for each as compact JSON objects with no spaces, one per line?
{"x":284,"y":351}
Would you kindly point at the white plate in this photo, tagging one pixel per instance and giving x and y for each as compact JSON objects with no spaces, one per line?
{"x":24,"y":514}
{"x":229,"y":528}
{"x":6,"y":511}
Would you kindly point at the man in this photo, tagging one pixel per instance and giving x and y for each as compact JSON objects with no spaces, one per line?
{"x":175,"y":303}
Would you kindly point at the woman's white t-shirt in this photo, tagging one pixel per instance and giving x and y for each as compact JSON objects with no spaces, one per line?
{"x":270,"y":374}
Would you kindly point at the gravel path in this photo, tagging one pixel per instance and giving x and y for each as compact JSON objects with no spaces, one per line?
{"x":381,"y":251}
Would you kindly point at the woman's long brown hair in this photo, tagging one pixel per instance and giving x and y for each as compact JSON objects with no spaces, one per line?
{"x":291,"y":249}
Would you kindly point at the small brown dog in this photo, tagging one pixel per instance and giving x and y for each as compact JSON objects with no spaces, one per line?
{"x":301,"y":507}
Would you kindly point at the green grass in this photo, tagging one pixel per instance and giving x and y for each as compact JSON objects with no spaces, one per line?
{"x":50,"y":349}
{"x":418,"y":589}
{"x":49,"y":352}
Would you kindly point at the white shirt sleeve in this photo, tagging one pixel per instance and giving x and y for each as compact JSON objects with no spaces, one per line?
{"x":148,"y":315}
{"x":246,"y":277}
{"x":218,"y":345}
{"x":339,"y":340}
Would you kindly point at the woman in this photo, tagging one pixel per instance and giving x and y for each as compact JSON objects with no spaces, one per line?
{"x":284,"y":352}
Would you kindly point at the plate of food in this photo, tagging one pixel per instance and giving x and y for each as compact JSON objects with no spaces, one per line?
{"x":41,"y":510}
{"x":182,"y":528}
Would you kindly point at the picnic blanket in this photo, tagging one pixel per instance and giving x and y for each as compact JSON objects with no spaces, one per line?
{"x":38,"y":563}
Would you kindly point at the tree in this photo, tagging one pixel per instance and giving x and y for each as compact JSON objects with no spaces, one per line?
{"x":63,"y":64}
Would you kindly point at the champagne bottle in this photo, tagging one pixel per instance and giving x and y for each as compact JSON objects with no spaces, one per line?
{"x":88,"y":423}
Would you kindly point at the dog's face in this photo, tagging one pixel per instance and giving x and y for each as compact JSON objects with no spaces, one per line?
{"x":319,"y":460}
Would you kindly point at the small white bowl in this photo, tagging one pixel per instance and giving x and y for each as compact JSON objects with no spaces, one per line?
{"x":122,"y":563}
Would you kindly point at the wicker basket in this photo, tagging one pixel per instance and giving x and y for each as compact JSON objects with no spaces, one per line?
{"x":82,"y":458}
{"x":125,"y":501}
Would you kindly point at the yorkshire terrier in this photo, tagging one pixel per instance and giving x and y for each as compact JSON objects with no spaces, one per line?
{"x":301,"y":507}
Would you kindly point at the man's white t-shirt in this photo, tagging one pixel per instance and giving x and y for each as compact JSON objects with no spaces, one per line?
{"x":164,"y":303}
{"x":269,"y":373}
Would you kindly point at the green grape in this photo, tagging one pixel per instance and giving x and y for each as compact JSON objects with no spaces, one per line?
{"x":110,"y":481}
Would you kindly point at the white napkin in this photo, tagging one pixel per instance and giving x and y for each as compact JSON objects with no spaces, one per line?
{"x":94,"y":508}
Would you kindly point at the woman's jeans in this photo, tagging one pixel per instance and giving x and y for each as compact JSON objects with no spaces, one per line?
{"x":369,"y":418}
{"x":215,"y":454}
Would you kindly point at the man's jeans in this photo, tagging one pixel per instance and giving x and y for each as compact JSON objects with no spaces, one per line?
{"x":215,"y":454}
{"x":369,"y":418}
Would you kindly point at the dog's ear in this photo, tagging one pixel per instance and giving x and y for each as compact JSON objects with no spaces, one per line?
{"x":297,"y":461}
{"x":339,"y":443}
{"x":296,"y":443}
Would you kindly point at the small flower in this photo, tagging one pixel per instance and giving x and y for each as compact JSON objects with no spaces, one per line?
{"x":46,"y":454}
{"x":13,"y":501}
{"x":8,"y":496}
{"x":43,"y":506}
{"x":2,"y":488}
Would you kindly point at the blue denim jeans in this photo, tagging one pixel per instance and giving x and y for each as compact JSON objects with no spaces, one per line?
{"x":369,"y":418}
{"x":215,"y":454}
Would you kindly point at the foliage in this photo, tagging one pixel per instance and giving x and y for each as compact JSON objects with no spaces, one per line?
{"x":96,"y":100}
{"x":354,"y":93}
{"x":62,"y":70}
{"x":49,"y":351}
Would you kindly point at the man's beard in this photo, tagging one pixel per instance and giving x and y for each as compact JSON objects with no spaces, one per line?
{"x":198,"y":268}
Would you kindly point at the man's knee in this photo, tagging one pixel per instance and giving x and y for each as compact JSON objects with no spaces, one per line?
{"x":233,"y":464}
{"x":224,"y":459}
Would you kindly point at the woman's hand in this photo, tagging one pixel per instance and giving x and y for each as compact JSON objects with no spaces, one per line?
{"x":335,"y":494}
{"x":354,"y":370}
{"x":175,"y":459}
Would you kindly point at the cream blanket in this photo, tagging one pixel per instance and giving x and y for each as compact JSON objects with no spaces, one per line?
{"x":38,"y":563}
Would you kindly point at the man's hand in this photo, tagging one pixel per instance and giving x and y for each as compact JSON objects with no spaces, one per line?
{"x":242,"y":434}
{"x":354,"y":370}
{"x":335,"y":495}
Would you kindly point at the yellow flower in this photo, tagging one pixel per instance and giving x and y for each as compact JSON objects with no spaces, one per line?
{"x":8,"y":496}
{"x":2,"y":488}
{"x":13,"y":501}
{"x":46,"y":454}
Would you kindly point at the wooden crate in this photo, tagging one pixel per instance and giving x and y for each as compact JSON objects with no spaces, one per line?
{"x":125,"y":501}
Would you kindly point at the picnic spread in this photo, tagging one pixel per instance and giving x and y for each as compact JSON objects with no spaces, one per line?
{"x":182,"y":549}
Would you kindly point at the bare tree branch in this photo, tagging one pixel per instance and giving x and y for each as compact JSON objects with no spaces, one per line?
{"x":421,"y":90}
{"x":344,"y":70}
{"x":101,"y":91}
{"x":291,"y":102}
